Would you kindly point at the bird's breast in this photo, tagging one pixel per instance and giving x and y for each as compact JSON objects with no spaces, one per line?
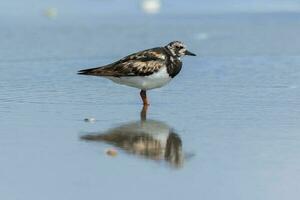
{"x":174,"y":66}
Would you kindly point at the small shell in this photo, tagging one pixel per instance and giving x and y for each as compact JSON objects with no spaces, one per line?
{"x":111,"y":152}
{"x":91,"y":119}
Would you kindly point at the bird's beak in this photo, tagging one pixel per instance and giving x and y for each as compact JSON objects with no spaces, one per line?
{"x":188,"y":53}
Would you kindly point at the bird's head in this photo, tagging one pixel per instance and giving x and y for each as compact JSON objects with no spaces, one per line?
{"x":178,"y":49}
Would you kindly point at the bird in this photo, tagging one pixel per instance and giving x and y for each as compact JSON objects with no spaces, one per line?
{"x":145,"y":70}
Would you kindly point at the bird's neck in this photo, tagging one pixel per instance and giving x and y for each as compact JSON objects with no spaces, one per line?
{"x":173,"y":57}
{"x":169,"y":52}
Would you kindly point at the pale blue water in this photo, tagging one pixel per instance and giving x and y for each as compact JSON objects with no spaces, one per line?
{"x":234,"y":109}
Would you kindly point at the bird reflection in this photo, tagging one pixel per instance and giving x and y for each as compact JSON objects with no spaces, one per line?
{"x":150,"y":139}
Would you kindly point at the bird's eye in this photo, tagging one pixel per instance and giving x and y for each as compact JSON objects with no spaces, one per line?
{"x":180,"y":47}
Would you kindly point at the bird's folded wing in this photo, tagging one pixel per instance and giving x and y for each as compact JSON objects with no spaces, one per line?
{"x":143,"y":63}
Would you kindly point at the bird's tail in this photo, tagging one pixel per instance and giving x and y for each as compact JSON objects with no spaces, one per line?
{"x":90,"y":71}
{"x":99,"y":71}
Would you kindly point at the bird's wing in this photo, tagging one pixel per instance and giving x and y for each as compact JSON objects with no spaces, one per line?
{"x":142,"y":63}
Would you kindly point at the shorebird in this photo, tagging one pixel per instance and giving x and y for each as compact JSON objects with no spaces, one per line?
{"x":145,"y":70}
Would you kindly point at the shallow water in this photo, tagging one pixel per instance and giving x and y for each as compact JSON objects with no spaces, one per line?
{"x":227,"y":127}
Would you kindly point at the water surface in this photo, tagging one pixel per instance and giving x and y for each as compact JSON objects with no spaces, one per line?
{"x":231,"y":116}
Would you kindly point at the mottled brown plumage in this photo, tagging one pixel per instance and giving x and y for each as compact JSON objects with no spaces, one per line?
{"x":142,"y":63}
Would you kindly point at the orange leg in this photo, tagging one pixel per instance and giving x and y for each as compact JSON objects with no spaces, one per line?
{"x":144,"y":97}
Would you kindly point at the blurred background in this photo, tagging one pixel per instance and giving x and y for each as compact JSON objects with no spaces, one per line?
{"x":231,"y":116}
{"x":117,"y":7}
{"x":99,"y":28}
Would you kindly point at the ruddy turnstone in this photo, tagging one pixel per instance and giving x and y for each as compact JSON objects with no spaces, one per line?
{"x":146,"y":70}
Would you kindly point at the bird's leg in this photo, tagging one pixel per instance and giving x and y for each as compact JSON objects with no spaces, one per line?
{"x":144,"y":97}
{"x":144,"y":113}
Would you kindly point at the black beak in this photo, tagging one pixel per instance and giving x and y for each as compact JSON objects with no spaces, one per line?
{"x":188,"y":53}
